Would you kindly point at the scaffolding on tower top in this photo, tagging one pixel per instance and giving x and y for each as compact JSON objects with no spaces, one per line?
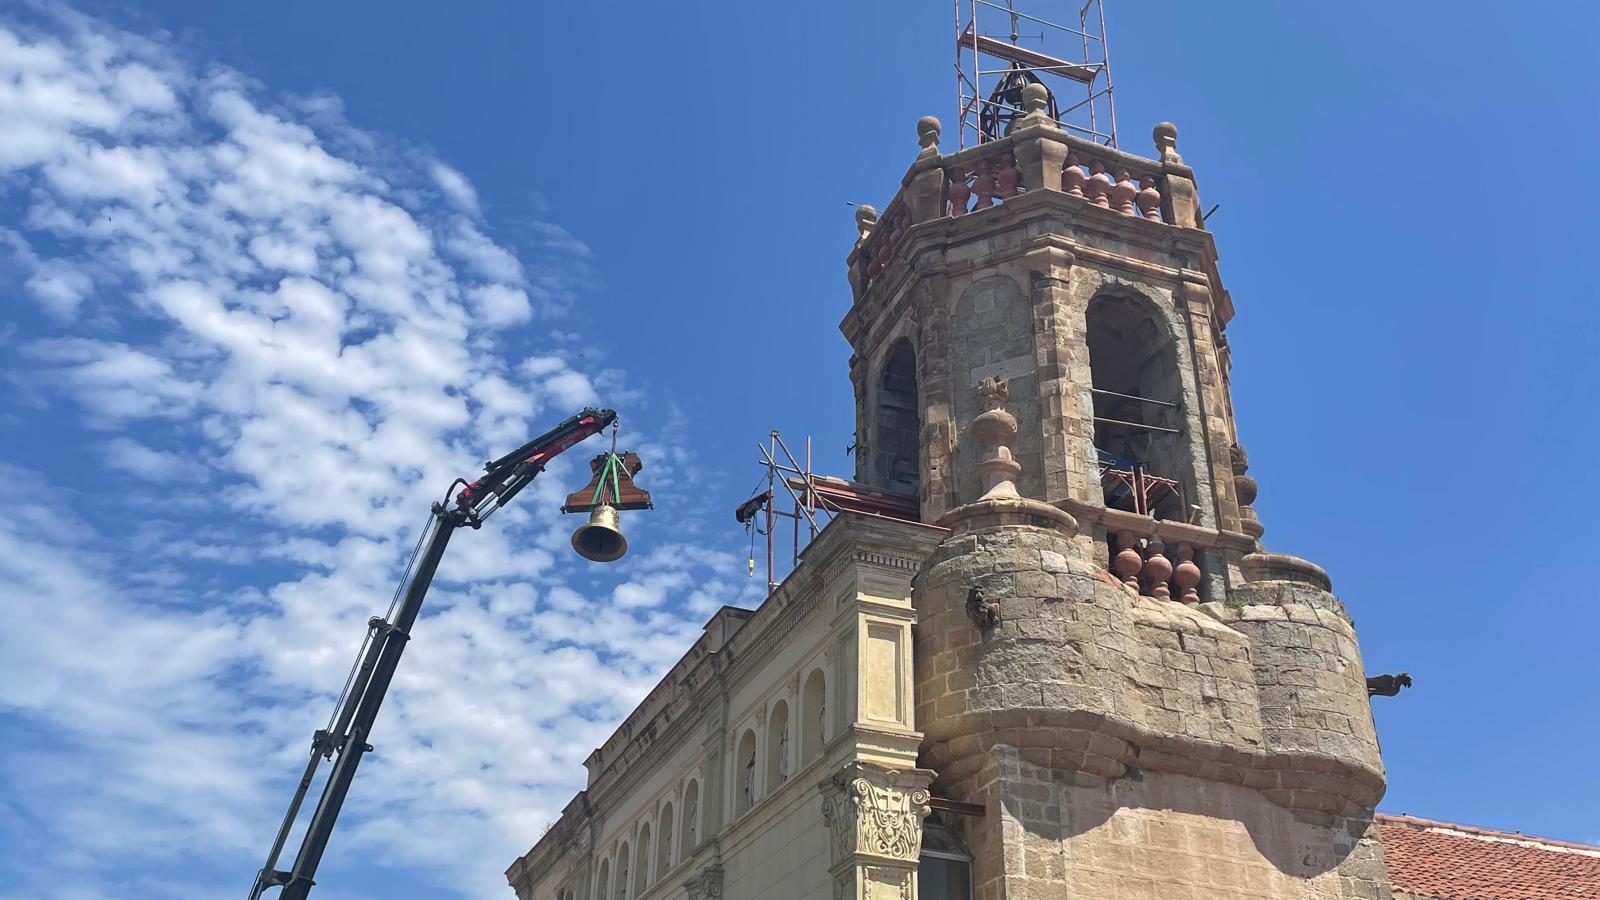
{"x":1004,"y":45}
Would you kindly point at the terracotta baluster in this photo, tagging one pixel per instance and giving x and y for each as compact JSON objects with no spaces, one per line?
{"x":1099,"y":184}
{"x":1157,"y":569}
{"x":957,"y":193}
{"x":1072,"y":177}
{"x":1127,"y":563}
{"x":1123,"y":192}
{"x":1009,"y":180}
{"x":1187,"y":575}
{"x":983,"y":184}
{"x":1149,"y":199}
{"x":885,"y":251}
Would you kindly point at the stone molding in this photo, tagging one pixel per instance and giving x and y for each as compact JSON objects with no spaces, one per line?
{"x":1108,"y":746}
{"x":875,"y":813}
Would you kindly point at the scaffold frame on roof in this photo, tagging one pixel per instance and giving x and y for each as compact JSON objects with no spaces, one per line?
{"x":993,"y":64}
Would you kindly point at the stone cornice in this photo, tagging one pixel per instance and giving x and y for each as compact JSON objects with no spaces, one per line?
{"x":1146,"y":526}
{"x":1108,"y":746}
{"x":1163,"y":251}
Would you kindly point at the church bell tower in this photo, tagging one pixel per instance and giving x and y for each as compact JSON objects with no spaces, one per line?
{"x":1140,"y":699}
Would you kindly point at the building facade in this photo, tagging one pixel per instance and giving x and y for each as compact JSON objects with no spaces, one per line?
{"x":1076,"y":672}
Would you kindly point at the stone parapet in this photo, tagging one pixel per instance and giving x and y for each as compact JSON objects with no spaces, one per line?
{"x":1307,"y":662}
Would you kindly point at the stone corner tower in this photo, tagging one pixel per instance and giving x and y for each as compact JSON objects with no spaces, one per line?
{"x":1141,"y":700}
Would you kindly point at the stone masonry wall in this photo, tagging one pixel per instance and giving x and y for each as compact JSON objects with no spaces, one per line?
{"x":1126,"y":746}
{"x":1157,"y":836}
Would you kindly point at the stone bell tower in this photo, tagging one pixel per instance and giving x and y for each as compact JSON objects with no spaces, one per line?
{"x":1141,"y":700}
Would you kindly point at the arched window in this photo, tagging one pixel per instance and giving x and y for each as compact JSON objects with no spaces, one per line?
{"x":745,"y":773}
{"x":691,"y":818}
{"x":602,"y":884}
{"x":622,"y":873}
{"x":896,"y":444}
{"x":664,"y":851}
{"x":1139,"y":435}
{"x":641,"y":874}
{"x":813,"y":716}
{"x":777,"y":746}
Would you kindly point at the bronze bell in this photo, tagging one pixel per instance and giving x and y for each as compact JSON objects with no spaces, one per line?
{"x":600,"y":540}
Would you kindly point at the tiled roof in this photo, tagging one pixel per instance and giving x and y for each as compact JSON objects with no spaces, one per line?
{"x":1459,"y":862}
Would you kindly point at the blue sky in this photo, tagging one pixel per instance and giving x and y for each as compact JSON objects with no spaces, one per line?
{"x":273,"y":274}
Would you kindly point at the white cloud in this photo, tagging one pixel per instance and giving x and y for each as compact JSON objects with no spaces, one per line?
{"x":456,"y":187}
{"x":237,"y":284}
{"x":135,"y":458}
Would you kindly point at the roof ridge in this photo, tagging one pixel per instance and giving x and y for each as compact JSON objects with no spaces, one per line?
{"x":1480,"y":832}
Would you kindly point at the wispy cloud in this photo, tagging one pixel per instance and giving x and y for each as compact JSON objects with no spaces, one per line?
{"x":238,"y":298}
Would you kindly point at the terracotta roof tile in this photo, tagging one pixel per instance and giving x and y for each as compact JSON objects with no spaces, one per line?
{"x":1459,"y":862}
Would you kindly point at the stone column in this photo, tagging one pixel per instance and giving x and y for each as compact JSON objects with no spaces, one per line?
{"x":874,"y":819}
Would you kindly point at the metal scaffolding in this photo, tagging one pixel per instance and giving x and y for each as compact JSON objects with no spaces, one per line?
{"x":998,"y":53}
{"x":815,"y":500}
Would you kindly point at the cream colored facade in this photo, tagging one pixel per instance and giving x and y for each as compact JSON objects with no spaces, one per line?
{"x":711,"y":786}
{"x":1080,"y":656}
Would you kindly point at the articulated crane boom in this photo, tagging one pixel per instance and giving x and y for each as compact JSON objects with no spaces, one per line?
{"x":345,"y":741}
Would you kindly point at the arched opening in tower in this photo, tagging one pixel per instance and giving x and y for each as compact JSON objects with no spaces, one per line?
{"x":897,"y":441}
{"x":1139,"y":440}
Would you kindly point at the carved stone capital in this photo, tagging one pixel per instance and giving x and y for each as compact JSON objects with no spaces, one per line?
{"x":706,"y":884}
{"x":875,"y":815}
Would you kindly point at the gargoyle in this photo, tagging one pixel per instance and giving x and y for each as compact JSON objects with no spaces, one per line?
{"x":1387,"y":685}
{"x":983,"y":612}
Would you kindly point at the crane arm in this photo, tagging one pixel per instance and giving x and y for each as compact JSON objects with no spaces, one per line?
{"x":345,"y":741}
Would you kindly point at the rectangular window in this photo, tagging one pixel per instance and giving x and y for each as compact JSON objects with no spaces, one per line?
{"x":944,"y":878}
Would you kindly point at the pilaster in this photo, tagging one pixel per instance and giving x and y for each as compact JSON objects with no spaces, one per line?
{"x":874,"y":817}
{"x":705,"y":884}
{"x":1216,"y":426}
{"x":1062,"y":359}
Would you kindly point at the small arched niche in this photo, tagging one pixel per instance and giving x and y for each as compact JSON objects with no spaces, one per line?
{"x":641,"y":876}
{"x":1140,"y":441}
{"x":602,"y":883}
{"x":664,"y":850}
{"x":896,"y":441}
{"x":691,"y":815}
{"x":813,"y":716}
{"x":745,"y":775}
{"x":777,"y":746}
{"x":622,"y":873}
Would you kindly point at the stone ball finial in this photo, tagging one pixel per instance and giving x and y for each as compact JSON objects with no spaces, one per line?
{"x":1166,"y":138}
{"x":1035,"y":98}
{"x":928,"y":131}
{"x":866,"y":220}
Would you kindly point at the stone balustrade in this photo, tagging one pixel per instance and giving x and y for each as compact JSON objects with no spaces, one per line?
{"x":983,"y":177}
{"x":1113,"y":185}
{"x":1143,"y":564}
{"x":1162,"y":558}
{"x":1038,"y":155}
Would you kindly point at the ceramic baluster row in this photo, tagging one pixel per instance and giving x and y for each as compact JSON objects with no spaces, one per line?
{"x":885,"y":240}
{"x":1142,"y":564}
{"x":1093,"y":181}
{"x":969,"y":188}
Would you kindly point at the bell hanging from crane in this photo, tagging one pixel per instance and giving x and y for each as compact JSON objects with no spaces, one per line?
{"x":607,"y":493}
